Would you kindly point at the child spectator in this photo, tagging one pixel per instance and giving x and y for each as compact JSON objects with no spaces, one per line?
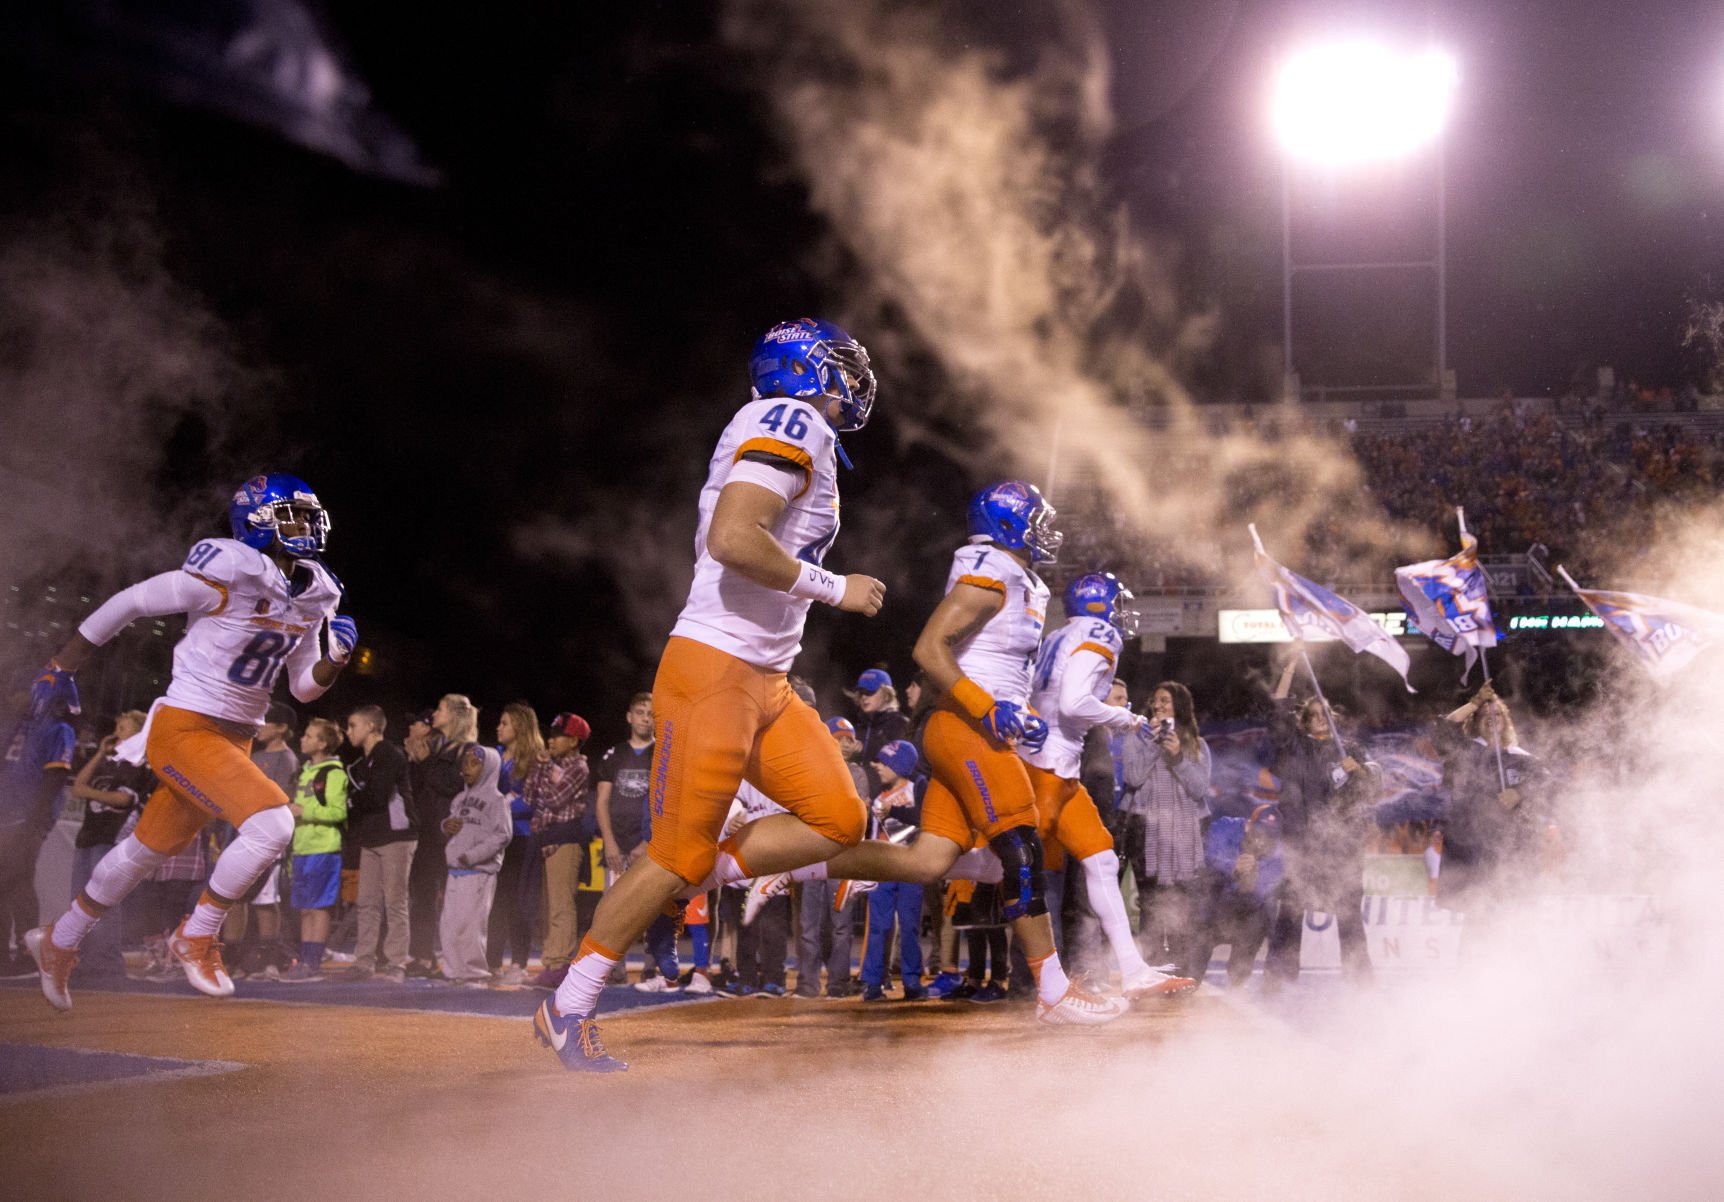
{"x":319,"y":813}
{"x":895,"y":766}
{"x":479,"y":828}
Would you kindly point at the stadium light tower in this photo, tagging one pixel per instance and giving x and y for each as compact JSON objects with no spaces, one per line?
{"x":1350,"y":104}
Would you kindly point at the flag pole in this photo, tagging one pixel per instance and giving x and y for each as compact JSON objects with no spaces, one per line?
{"x":1485,"y":659}
{"x":1328,"y":714}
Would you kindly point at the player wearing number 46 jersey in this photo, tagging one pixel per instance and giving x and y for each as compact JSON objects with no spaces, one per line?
{"x":258,"y":607}
{"x":723,"y":710}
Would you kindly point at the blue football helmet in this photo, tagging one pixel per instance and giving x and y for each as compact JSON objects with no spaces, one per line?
{"x":1102,"y":595}
{"x":266,"y":504}
{"x":53,"y":694}
{"x":813,"y":358}
{"x":1016,"y":515}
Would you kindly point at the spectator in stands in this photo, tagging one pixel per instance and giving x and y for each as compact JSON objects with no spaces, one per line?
{"x":521,"y":746}
{"x":822,"y":923}
{"x":39,"y":748}
{"x":1496,"y":813}
{"x":620,"y":789}
{"x":319,"y":814}
{"x":1311,"y":766}
{"x":556,"y":793}
{"x":478,"y":829}
{"x":111,"y":789}
{"x":1165,"y":796}
{"x":434,"y":744}
{"x":878,"y":722}
{"x":1243,"y":869}
{"x":384,"y":823}
{"x":893,"y":901}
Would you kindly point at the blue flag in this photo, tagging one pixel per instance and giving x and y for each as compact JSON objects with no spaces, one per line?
{"x":1313,"y":613}
{"x":1449,"y":599}
{"x":1663,"y":635}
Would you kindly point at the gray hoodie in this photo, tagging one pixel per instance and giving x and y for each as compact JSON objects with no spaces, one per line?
{"x":484,"y":814}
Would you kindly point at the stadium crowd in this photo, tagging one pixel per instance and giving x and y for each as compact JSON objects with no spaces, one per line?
{"x":474,"y":854}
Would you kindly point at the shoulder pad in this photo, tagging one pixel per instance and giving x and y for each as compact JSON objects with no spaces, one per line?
{"x":224,"y":561}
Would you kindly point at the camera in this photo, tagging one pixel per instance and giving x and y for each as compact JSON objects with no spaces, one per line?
{"x":1162,"y":728}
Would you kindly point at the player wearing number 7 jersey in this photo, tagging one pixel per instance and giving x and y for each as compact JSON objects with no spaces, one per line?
{"x":257,"y":607}
{"x":723,"y":710}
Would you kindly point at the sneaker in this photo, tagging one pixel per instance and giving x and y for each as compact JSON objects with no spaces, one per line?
{"x":964,"y":991}
{"x":516,"y":974}
{"x":873,"y":993}
{"x":771,"y":989}
{"x":395,"y":976}
{"x":548,"y":978}
{"x":698,"y":982}
{"x":944,"y":984}
{"x":842,"y":991}
{"x":301,"y":974}
{"x":763,"y":890}
{"x":200,"y":956}
{"x":659,"y":984}
{"x":55,"y":964}
{"x":988,"y":994}
{"x":743,"y":990}
{"x":359,"y":972}
{"x":1149,"y":982}
{"x":1079,"y":1007}
{"x":270,"y":973}
{"x":849,"y":889}
{"x":421,"y":968}
{"x":575,"y":1041}
{"x":915,"y":993}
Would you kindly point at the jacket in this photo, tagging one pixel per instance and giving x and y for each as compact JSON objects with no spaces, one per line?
{"x":484,"y":814}
{"x":322,"y":799}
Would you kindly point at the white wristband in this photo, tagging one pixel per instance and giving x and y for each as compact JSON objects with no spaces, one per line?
{"x":816,"y":584}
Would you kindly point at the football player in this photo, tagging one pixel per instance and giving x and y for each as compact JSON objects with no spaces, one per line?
{"x":258,"y":606}
{"x":723,"y":710}
{"x":978,"y":648}
{"x":1073,"y":674}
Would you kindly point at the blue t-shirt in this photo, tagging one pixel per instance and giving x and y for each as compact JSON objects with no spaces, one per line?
{"x":32,"y":749}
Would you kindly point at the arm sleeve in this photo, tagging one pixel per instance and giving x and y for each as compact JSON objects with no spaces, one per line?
{"x":300,"y":661}
{"x":1077,"y":693}
{"x":175,"y":592}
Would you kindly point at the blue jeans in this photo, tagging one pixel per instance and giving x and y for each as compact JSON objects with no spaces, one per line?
{"x":894,"y":900}
{"x":99,"y":955}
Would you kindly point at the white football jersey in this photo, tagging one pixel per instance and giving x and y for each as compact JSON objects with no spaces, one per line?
{"x":757,"y":624}
{"x":227,"y":664}
{"x":1000,"y":655}
{"x":1073,"y":675}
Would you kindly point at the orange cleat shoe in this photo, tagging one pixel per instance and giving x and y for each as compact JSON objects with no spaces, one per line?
{"x":1151,"y":982}
{"x":1080,"y":1008}
{"x":201,"y":958}
{"x":54,"y":963}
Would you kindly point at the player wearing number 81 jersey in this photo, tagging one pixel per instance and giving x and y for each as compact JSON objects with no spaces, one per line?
{"x":258,"y":606}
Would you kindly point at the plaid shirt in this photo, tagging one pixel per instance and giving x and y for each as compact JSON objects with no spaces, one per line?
{"x":556,"y":789}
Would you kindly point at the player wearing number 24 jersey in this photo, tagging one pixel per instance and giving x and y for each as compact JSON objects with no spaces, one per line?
{"x":259,"y":606}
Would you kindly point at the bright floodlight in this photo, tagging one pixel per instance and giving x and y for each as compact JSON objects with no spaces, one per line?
{"x":1352,"y":102}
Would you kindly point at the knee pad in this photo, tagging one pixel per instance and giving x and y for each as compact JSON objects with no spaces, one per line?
{"x":271,"y":828}
{"x":121,"y":869}
{"x":1023,"y":885}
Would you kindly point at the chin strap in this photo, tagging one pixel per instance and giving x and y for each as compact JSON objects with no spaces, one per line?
{"x":838,"y":445}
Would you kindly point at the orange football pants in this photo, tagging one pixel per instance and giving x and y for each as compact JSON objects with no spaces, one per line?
{"x":978,"y":787}
{"x":1067,"y":818}
{"x":721,"y":721}
{"x":203,"y":768}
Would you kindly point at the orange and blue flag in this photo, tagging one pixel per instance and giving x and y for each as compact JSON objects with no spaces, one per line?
{"x":1313,"y":613}
{"x":1663,"y":635}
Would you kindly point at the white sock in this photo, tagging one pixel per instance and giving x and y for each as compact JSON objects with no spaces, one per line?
{"x":579,"y":992}
{"x":1051,"y":981}
{"x":71,"y":927}
{"x":809,"y":872}
{"x":977,"y":864}
{"x":206,"y":918}
{"x":726,"y":870}
{"x":1101,"y":876}
{"x":261,"y":840}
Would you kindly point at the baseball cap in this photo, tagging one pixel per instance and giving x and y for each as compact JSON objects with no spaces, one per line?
{"x":841,"y":726}
{"x":900,"y":756}
{"x":424,"y":716}
{"x":873,"y":680}
{"x":572,"y":725}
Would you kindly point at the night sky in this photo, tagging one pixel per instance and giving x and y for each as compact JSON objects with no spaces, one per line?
{"x":505,"y":384}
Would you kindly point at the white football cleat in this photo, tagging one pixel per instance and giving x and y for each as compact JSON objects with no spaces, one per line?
{"x":1080,"y":1008}
{"x":849,"y":889}
{"x":1152,"y":982}
{"x":764,"y":889}
{"x":200,"y":957}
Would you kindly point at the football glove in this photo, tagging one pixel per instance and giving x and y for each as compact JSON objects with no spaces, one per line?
{"x":343,"y":638}
{"x":1005,"y":722}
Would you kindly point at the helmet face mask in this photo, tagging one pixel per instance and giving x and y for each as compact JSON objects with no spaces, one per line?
{"x":809,"y":358}
{"x":280,"y":510}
